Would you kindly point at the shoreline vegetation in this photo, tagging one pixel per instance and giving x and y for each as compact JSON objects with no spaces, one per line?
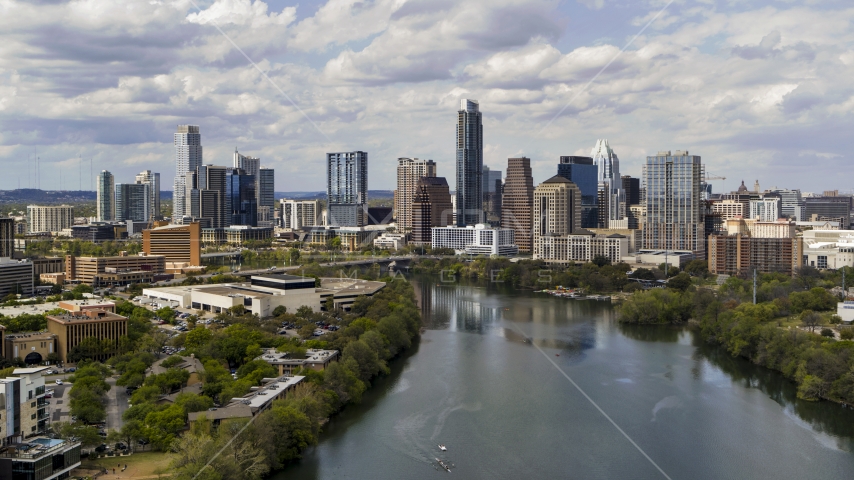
{"x":376,"y":331}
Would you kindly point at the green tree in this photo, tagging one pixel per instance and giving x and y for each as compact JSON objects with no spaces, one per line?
{"x":680,"y":282}
{"x":810,"y":319}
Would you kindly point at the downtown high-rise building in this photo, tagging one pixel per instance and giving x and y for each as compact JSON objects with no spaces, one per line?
{"x":296,"y":214}
{"x":188,"y":157}
{"x":612,"y":199}
{"x":347,"y":189}
{"x":517,"y":201}
{"x":265,"y":185}
{"x":584,"y":174}
{"x":431,"y":207}
{"x":7,"y":237}
{"x":222,"y":196}
{"x":152,"y":181}
{"x":132,"y":202}
{"x":792,"y":203}
{"x":469,"y":194}
{"x":106,"y":205}
{"x":409,"y":172}
{"x":493,"y":186}
{"x":674,"y":205}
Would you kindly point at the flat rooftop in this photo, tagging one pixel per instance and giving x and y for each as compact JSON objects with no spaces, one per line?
{"x":267,"y":393}
{"x":312,"y":355}
{"x":33,"y":448}
{"x":345,"y":287}
{"x":70,"y":317}
{"x":283,"y":277}
{"x":30,"y":336}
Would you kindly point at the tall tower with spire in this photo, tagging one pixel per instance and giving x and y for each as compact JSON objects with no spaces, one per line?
{"x":610,"y":182}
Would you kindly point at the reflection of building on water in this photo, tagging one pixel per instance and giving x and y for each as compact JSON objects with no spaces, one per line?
{"x":454,"y":307}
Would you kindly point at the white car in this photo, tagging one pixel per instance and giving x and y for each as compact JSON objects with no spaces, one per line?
{"x":59,"y":382}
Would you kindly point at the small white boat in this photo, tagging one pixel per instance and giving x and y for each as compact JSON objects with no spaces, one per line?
{"x":443,"y":448}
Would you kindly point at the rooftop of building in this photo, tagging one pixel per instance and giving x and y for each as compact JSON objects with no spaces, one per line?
{"x":4,"y":261}
{"x":34,"y":448}
{"x":29,"y":371}
{"x":88,"y":302}
{"x":351,"y":286}
{"x":30,"y":336}
{"x":266,"y":393}
{"x":312,"y":355}
{"x":557,"y":179}
{"x":88,"y":316}
{"x":282,"y":277}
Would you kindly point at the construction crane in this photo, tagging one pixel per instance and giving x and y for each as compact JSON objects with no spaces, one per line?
{"x":712,"y":176}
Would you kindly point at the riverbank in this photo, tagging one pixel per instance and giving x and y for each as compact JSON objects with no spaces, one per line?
{"x":820,"y":366}
{"x":377,"y":330}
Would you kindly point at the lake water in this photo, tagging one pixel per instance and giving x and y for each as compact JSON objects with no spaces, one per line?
{"x":494,"y":379}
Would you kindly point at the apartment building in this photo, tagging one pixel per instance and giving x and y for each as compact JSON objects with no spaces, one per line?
{"x":72,"y":327}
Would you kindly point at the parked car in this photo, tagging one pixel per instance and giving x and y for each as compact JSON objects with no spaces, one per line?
{"x":71,"y":370}
{"x":101,"y":448}
{"x":58,"y":381}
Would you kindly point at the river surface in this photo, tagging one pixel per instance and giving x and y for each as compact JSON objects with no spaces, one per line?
{"x":521,"y":385}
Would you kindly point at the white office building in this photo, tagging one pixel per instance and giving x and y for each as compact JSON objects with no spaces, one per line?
{"x":152,"y":181}
{"x":765,"y":209}
{"x":476,"y":239}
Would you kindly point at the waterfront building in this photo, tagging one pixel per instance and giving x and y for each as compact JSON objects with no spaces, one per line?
{"x":610,"y":183}
{"x":249,"y":405}
{"x":583,"y":173}
{"x":105,"y":190}
{"x":152,"y":181}
{"x":71,"y":328}
{"x":765,"y":209}
{"x":742,"y":254}
{"x":390,"y":241}
{"x":179,"y":244}
{"x":517,"y":201}
{"x":674,"y":206}
{"x":263,"y":293}
{"x":296,"y":214}
{"x":347,"y":188}
{"x":477,"y":239}
{"x":409,"y":172}
{"x":431,"y":207}
{"x":132,"y":202}
{"x":188,"y":157}
{"x":7,"y":237}
{"x":469,"y":192}
{"x":288,"y":364}
{"x":16,"y":277}
{"x":54,"y":218}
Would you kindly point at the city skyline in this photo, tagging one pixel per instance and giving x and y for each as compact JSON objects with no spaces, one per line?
{"x":756,"y":109}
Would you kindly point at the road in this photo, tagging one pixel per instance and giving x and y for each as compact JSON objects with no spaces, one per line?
{"x":117,"y":404}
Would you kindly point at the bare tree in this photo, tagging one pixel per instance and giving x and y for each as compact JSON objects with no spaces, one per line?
{"x":810,"y":319}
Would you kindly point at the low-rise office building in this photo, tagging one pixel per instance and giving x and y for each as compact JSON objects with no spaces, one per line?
{"x":235,"y":235}
{"x":33,"y":347}
{"x":288,"y":364}
{"x":121,"y":270}
{"x":263,"y":293}
{"x":477,"y":239}
{"x":73,"y":327}
{"x":251,"y":404}
{"x":390,"y":241}
{"x":16,"y":277}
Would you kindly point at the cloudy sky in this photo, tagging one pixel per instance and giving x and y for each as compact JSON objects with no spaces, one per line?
{"x":760,"y":89}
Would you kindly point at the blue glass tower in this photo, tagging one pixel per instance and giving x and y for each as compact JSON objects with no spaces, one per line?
{"x":582,"y":172}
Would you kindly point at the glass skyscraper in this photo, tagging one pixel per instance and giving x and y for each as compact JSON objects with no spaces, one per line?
{"x":674,"y":206}
{"x":132,"y":202}
{"x":106,"y":197}
{"x":347,"y":188}
{"x":188,"y":157}
{"x":582,"y":172}
{"x":608,"y":173}
{"x":469,"y":195}
{"x":152,"y":180}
